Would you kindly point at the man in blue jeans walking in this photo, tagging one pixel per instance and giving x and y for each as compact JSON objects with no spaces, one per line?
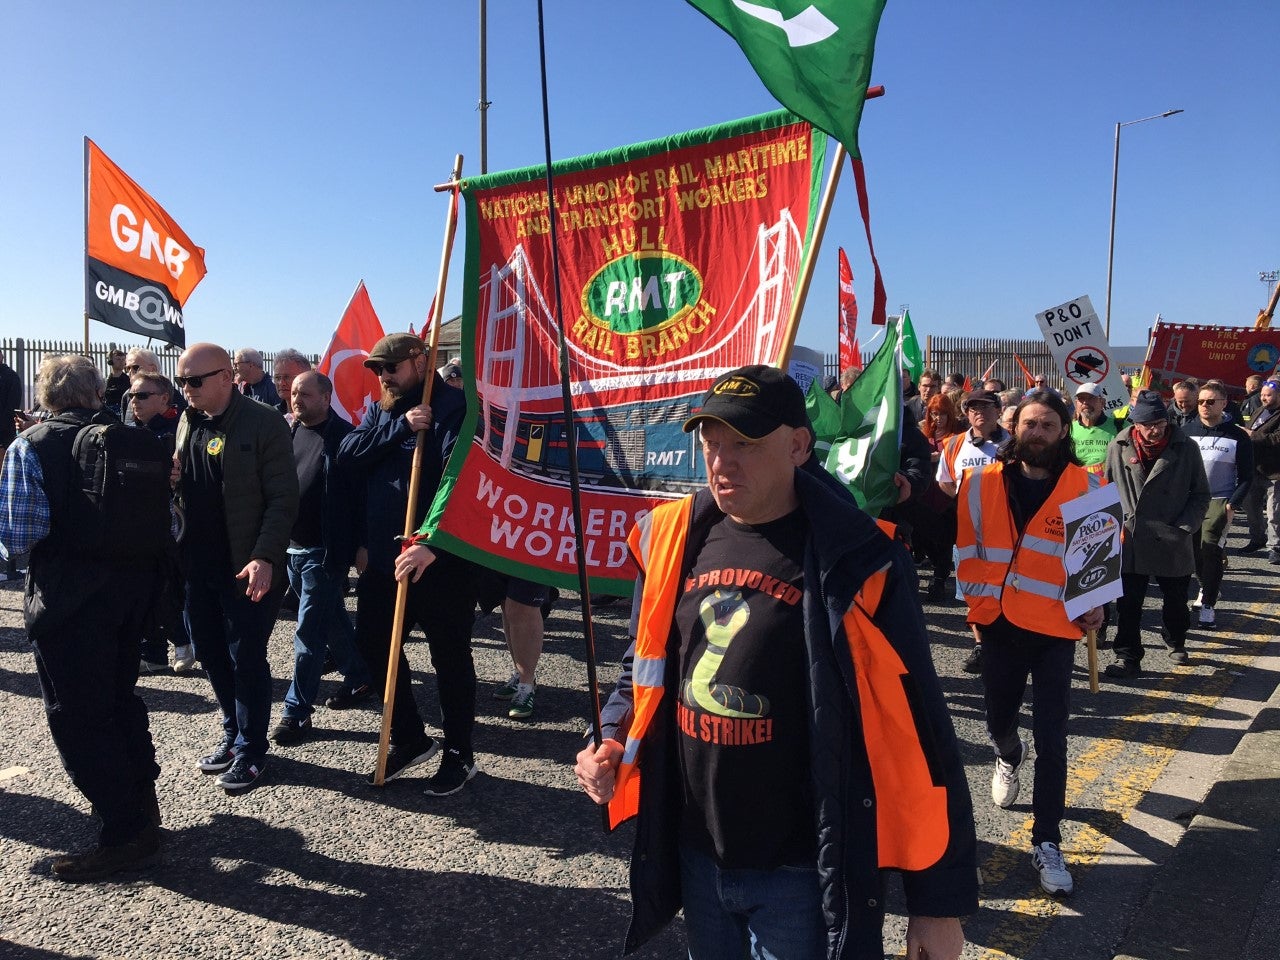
{"x":321,"y":548}
{"x":239,"y":490}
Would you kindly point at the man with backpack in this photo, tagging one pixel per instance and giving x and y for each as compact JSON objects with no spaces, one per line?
{"x":70,"y":485}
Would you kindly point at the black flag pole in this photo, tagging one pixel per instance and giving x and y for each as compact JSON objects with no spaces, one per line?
{"x":571,"y":430}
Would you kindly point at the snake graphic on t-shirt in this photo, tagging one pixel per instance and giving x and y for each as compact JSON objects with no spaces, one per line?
{"x":723,"y":616}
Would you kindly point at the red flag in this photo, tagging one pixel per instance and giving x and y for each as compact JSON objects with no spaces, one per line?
{"x":968,"y":384}
{"x":1031,"y":380}
{"x":988,"y":373}
{"x":850,"y":354}
{"x":355,"y":386}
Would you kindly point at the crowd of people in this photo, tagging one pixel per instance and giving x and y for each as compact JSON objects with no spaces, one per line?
{"x":779,"y":696}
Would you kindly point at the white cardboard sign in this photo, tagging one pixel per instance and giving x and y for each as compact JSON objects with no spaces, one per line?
{"x":1080,"y":350}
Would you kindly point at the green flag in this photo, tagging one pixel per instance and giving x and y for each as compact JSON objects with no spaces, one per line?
{"x":912,"y":359}
{"x":865,"y":456}
{"x":813,"y":55}
{"x":824,"y":416}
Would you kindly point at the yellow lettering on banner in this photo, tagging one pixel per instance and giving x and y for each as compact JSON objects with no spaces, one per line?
{"x":670,"y":337}
{"x":593,"y":337}
{"x":718,"y":194}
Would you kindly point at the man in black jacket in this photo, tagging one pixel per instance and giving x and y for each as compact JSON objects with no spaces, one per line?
{"x":442,"y":600}
{"x":321,"y":549}
{"x":1263,"y":502}
{"x":85,"y":610}
{"x":778,"y":641}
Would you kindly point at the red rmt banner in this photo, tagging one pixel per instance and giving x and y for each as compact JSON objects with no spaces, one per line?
{"x":679,"y":260}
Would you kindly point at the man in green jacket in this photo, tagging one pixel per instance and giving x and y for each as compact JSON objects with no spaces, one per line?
{"x":239,"y":489}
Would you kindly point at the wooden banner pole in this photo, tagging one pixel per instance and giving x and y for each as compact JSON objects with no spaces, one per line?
{"x":415,"y":481}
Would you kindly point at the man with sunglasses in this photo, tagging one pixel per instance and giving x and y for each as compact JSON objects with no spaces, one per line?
{"x":1228,"y":464}
{"x":148,"y":405}
{"x":1164,"y":494}
{"x":239,"y":489}
{"x":442,"y":591}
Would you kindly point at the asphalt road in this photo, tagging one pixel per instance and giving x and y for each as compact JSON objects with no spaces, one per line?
{"x":314,"y":862}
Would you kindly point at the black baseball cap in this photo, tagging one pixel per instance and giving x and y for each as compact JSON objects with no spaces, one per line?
{"x":754,"y":401}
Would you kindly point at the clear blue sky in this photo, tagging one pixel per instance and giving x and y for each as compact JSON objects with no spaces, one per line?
{"x":297,"y":142}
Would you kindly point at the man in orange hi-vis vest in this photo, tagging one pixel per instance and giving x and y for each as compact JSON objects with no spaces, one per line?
{"x":778,"y":728}
{"x":1010,"y":537}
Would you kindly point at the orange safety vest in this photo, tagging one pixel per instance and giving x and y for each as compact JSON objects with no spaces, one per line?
{"x":912,"y":827}
{"x":1000,"y":572}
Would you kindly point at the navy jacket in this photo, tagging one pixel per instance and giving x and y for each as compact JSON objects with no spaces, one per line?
{"x":379,"y":453}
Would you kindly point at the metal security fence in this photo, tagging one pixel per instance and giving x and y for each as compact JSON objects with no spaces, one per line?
{"x":972,"y":355}
{"x":25,"y":356}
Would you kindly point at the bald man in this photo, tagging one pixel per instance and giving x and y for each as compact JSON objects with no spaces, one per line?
{"x":239,"y":489}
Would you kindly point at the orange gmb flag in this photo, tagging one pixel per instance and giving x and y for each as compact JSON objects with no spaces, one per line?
{"x":355,"y":386}
{"x":140,"y":266}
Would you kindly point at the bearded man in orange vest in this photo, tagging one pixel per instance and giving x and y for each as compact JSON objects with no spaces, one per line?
{"x":781,"y":700}
{"x":1010,"y":537}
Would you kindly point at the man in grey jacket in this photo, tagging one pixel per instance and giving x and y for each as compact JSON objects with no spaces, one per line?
{"x":1164,"y":494}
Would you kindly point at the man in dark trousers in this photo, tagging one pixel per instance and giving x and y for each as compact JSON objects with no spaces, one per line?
{"x":1164,"y":494}
{"x":778,"y":728}
{"x":1010,"y":540}
{"x":239,"y":488}
{"x":149,"y":404}
{"x":85,"y":608}
{"x":442,"y":599}
{"x":321,"y":549}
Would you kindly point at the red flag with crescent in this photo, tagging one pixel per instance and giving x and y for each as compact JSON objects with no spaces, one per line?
{"x":850,"y":355}
{"x":355,"y":386}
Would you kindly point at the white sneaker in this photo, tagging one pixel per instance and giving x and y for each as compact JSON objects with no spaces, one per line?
{"x":1004,"y":782}
{"x":1199,"y":599}
{"x":1207,"y":617}
{"x":1055,"y":878}
{"x":184,"y":658}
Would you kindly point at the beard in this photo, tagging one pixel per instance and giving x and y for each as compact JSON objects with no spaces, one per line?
{"x":1035,"y":453}
{"x":388,"y":398}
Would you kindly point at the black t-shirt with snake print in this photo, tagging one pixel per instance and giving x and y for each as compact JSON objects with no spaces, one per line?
{"x":742,"y":714}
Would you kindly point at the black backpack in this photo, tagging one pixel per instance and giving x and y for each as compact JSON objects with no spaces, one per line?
{"x":124,"y":477}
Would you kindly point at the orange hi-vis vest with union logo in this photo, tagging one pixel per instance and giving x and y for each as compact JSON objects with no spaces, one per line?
{"x":912,"y":827}
{"x":1022,"y":577}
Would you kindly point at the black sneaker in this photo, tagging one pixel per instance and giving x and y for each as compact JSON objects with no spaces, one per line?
{"x":223,"y":755}
{"x":452,"y":776}
{"x":100,"y":862}
{"x":1253,"y":546}
{"x":1123,"y":670}
{"x":973,"y":662}
{"x":244,"y":773}
{"x":291,"y":730}
{"x":400,"y":759}
{"x":349,"y":697}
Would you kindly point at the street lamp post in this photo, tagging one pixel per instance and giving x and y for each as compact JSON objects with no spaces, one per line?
{"x":1115,"y":172}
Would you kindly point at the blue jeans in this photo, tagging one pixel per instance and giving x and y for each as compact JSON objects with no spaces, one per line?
{"x":761,"y":914}
{"x":322,"y":623}
{"x":230,"y":634}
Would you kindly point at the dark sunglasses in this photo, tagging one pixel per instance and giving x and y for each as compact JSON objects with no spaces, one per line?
{"x":1272,"y":384}
{"x":1208,"y":403}
{"x":132,"y":367}
{"x":197,"y":380}
{"x":378,"y":368}
{"x":142,"y":394}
